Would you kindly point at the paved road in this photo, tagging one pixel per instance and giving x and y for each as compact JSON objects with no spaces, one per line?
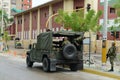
{"x":14,"y":68}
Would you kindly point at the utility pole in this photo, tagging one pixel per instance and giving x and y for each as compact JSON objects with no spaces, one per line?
{"x":104,"y":40}
{"x":2,"y":18}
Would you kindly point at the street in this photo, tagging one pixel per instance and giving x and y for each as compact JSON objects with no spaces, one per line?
{"x":14,"y":68}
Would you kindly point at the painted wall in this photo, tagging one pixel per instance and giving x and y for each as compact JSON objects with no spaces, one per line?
{"x":44,"y":14}
{"x":94,"y":4}
{"x":19,"y":27}
{"x":26,"y":25}
{"x":34,"y":24}
{"x":55,"y":8}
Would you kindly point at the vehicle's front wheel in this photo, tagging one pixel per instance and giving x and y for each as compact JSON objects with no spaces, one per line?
{"x":73,"y":67}
{"x":46,"y":64}
{"x":29,"y":62}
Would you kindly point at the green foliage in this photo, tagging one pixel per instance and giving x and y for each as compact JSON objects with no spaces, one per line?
{"x":6,"y":37}
{"x":116,"y":26}
{"x":78,"y":22}
{"x":6,"y":20}
{"x":117,"y":7}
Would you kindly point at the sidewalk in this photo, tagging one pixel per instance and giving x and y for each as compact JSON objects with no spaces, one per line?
{"x":96,"y":66}
{"x":15,"y":52}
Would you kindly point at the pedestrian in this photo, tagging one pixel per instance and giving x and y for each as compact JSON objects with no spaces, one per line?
{"x":111,"y":55}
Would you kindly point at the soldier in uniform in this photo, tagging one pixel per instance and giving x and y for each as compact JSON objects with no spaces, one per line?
{"x":111,"y":55}
{"x":65,"y":41}
{"x":79,"y":43}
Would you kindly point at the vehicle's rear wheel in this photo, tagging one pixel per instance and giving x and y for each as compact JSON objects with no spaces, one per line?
{"x":29,"y":62}
{"x":69,"y":51}
{"x":73,"y":67}
{"x":46,"y":64}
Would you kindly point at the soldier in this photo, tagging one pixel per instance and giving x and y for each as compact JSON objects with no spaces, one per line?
{"x":65,"y":41}
{"x":111,"y":55}
{"x":79,"y":43}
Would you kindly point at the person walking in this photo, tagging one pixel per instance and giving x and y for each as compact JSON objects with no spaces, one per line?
{"x":111,"y":55}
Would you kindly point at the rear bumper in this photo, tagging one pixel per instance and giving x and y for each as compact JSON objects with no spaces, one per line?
{"x":68,"y":61}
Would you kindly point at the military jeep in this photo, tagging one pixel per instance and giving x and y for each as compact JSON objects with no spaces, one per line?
{"x":50,"y":52}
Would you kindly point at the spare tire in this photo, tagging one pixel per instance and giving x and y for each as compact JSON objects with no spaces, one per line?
{"x":69,"y":51}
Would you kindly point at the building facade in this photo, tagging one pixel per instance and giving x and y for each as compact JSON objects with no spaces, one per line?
{"x":7,"y":5}
{"x":33,"y":21}
{"x":25,"y":4}
{"x":111,"y":17}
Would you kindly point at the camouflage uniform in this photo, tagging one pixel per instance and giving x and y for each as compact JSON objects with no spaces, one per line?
{"x":65,"y":42}
{"x":111,"y":54}
{"x":79,"y":43}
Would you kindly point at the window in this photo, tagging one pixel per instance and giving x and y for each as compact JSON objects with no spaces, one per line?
{"x":18,"y":21}
{"x":21,"y":21}
{"x":28,"y":0}
{"x":45,"y":15}
{"x":44,"y":30}
{"x":40,"y":31}
{"x":35,"y":17}
{"x":27,"y":6}
{"x":13,"y":2}
{"x":112,"y":10}
{"x":34,"y":34}
{"x":24,"y":37}
{"x":53,"y":29}
{"x":53,"y":12}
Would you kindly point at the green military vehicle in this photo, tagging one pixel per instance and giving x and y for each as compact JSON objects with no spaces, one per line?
{"x":18,"y":44}
{"x":50,"y":52}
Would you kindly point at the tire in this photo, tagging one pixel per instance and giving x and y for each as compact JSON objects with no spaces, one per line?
{"x":69,"y":51}
{"x":29,"y":62}
{"x":46,"y":64}
{"x":73,"y":67}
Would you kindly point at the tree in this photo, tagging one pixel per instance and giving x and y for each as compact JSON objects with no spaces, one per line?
{"x":78,"y":22}
{"x":117,"y":7}
{"x":6,"y":38}
{"x":6,"y":20}
{"x":117,"y":20}
{"x":116,"y":26}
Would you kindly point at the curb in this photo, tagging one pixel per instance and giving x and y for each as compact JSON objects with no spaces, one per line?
{"x":105,"y":74}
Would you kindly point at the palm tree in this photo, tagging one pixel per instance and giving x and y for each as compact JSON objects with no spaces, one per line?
{"x":6,"y":21}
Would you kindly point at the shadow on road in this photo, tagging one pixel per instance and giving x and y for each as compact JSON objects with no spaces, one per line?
{"x":58,"y":69}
